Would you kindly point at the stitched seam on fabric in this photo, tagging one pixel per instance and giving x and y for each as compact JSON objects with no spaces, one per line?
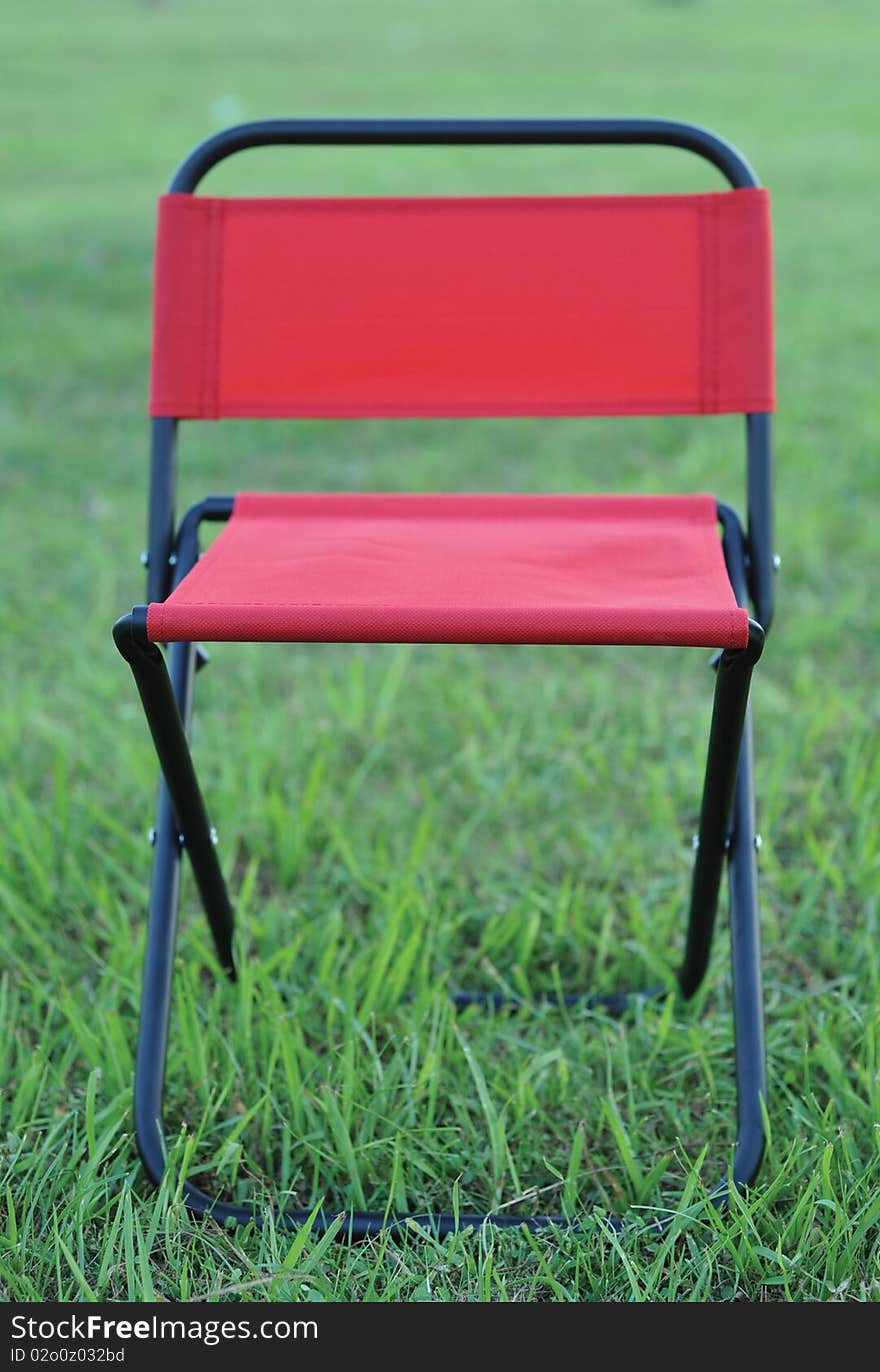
{"x":708,"y":312}
{"x":216,"y":219}
{"x":218,"y":317}
{"x":609,"y":203}
{"x":501,"y":611}
{"x":438,"y":505}
{"x":717,"y":321}
{"x":704,"y":307}
{"x":763,"y":326}
{"x":768,"y":312}
{"x":204,"y":305}
{"x":154,"y":403}
{"x":255,"y":409}
{"x":203,"y":356}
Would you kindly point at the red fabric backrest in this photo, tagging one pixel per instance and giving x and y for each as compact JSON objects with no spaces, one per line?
{"x":463,"y":306}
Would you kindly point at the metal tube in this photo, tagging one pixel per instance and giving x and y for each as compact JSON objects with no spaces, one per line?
{"x":762,"y":567}
{"x":169,"y":736}
{"x":160,"y":532}
{"x":733,"y":676}
{"x":468,"y":132}
{"x":748,"y":999}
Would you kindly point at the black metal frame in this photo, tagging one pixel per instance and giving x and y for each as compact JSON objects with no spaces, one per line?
{"x":727,"y":820}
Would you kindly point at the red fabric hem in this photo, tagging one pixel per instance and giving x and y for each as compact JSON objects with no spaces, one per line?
{"x":436,"y":624}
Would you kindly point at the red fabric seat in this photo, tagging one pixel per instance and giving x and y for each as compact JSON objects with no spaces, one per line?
{"x":460,"y":569}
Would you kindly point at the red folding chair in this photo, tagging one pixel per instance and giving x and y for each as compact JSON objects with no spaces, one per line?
{"x":577,"y":305}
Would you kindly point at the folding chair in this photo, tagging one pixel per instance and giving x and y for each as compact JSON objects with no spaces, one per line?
{"x":578,"y":305}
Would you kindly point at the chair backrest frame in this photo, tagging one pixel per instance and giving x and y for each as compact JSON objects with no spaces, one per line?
{"x":420,"y":132}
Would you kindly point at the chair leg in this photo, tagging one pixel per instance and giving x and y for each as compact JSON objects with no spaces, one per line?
{"x":167,"y":706}
{"x":166,"y":697}
{"x":748,"y":995}
{"x":732,"y":680}
{"x":149,"y":1079}
{"x":727,"y":828}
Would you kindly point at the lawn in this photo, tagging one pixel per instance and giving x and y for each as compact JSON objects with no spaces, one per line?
{"x":398,"y":821}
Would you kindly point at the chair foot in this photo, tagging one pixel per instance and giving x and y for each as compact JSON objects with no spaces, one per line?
{"x":615,"y":1004}
{"x":355,"y":1225}
{"x":362,"y":1224}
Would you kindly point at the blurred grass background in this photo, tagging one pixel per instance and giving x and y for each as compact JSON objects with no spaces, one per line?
{"x":399,"y":820}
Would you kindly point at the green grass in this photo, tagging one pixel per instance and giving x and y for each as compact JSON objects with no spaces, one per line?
{"x":398,"y":821}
